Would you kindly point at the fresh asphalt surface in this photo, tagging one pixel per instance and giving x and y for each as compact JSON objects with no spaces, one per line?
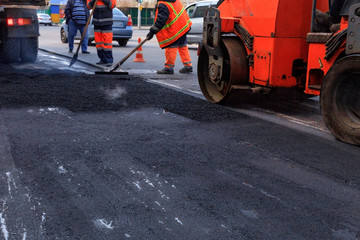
{"x":118,"y":157}
{"x":111,"y":158}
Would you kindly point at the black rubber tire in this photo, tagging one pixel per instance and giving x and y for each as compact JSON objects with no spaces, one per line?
{"x":10,"y":50}
{"x":29,"y":49}
{"x":63,"y":37}
{"x":123,"y":42}
{"x":340,"y":100}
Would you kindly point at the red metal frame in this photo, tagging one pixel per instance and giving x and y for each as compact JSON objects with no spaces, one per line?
{"x":279,"y":28}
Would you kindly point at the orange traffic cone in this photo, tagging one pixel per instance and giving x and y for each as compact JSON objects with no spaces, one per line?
{"x":139,"y":56}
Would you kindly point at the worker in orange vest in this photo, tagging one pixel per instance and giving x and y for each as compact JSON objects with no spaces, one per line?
{"x":102,"y":21}
{"x":171,"y":26}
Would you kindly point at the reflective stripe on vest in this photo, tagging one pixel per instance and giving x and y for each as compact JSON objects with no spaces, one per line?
{"x":176,"y":26}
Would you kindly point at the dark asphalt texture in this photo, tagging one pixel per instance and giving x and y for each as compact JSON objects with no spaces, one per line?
{"x":108,"y":157}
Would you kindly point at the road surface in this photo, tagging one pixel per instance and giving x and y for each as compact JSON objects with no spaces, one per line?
{"x":124,"y":157}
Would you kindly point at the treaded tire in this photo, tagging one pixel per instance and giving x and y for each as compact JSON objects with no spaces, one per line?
{"x":123,"y":42}
{"x":340,"y":99}
{"x":10,"y":50}
{"x":63,"y":37}
{"x":29,"y":49}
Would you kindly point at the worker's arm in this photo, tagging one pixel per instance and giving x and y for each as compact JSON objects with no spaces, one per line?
{"x":161,"y":18}
{"x":110,"y":3}
{"x":68,"y":11}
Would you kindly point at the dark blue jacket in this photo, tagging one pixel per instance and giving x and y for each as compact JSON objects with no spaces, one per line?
{"x":69,"y":8}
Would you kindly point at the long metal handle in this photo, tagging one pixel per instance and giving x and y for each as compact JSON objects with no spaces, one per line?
{"x":117,"y":65}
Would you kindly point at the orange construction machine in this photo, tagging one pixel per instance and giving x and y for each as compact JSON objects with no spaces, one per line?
{"x":257,"y":45}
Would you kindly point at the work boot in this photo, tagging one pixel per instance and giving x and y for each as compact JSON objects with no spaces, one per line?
{"x":323,"y":21}
{"x":335,"y":28}
{"x":186,"y":69}
{"x":166,"y":71}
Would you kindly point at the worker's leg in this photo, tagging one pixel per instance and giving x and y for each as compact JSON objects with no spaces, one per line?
{"x":84,"y":44}
{"x":99,"y":44}
{"x":324,"y":21}
{"x":72,"y":32}
{"x":184,"y":55}
{"x":170,"y":57}
{"x":336,"y":8}
{"x":107,"y":38}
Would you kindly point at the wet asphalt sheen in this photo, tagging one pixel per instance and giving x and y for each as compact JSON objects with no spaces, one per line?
{"x":89,"y":157}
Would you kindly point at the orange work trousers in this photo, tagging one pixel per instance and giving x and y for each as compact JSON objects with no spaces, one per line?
{"x":170,"y":55}
{"x":103,"y":39}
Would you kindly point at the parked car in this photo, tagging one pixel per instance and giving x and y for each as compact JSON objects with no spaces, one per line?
{"x":44,"y":19}
{"x":122,"y":29}
{"x":196,"y":13}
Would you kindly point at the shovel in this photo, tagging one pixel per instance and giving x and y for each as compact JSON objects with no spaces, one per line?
{"x":73,"y":60}
{"x":114,"y":68}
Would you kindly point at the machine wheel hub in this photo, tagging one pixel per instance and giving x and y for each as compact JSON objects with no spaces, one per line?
{"x":214,"y":73}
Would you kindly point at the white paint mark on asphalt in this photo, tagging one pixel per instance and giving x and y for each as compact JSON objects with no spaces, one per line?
{"x":53,"y":109}
{"x":161,"y":222}
{"x":137,"y":184}
{"x":269,"y":195}
{"x":8,"y":174}
{"x":173,"y":186}
{"x":177,"y":219}
{"x":62,"y":169}
{"x":157,"y":203}
{"x":141,"y":173}
{"x":24,"y":234}
{"x":177,"y":87}
{"x":250,"y":213}
{"x":3,"y":227}
{"x":43,"y":219}
{"x":222,"y":225}
{"x":248,"y":185}
{"x":102,"y":223}
{"x":162,"y":194}
{"x":127,"y":235}
{"x":148,"y":182}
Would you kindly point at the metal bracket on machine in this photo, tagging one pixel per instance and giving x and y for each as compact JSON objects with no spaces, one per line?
{"x":211,"y":41}
{"x":353,"y":32}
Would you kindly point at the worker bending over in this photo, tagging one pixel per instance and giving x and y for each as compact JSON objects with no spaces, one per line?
{"x":172,"y":23}
{"x":102,"y":21}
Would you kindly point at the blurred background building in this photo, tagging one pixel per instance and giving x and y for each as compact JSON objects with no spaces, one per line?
{"x":56,"y":8}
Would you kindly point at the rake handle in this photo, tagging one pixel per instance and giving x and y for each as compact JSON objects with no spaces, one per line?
{"x":117,"y":65}
{"x":86,"y":27}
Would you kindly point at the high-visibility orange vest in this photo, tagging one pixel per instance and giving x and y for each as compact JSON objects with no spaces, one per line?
{"x":176,"y":26}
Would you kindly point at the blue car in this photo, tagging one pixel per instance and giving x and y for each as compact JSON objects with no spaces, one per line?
{"x":122,"y":29}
